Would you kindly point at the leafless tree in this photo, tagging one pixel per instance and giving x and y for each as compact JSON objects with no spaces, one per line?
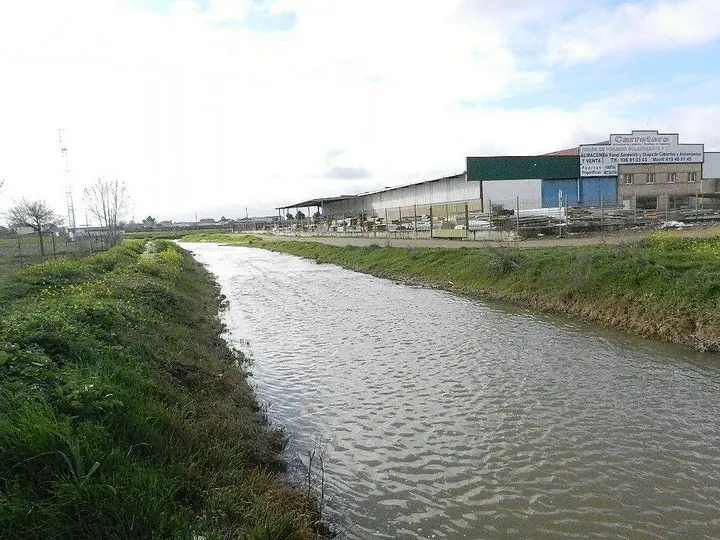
{"x":107,"y":200}
{"x":34,"y":214}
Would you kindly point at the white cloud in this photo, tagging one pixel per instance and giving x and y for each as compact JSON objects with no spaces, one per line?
{"x":634,"y":28}
{"x":618,"y":102}
{"x":226,"y":10}
{"x":697,"y":124}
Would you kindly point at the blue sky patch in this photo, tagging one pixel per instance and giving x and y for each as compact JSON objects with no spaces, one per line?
{"x":262,"y":19}
{"x":666,"y":76}
{"x":259,"y":17}
{"x":163,"y":7}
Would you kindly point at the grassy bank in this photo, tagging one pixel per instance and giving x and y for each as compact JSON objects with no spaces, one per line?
{"x":172,"y":235}
{"x":123,"y":413}
{"x":665,"y":287}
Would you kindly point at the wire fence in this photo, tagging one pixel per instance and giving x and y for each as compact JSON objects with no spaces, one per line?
{"x":502,"y":219}
{"x":19,"y":251}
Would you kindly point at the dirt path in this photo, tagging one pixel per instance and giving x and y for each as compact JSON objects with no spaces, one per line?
{"x":615,"y":237}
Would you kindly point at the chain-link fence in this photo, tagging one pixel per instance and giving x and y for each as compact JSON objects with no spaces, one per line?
{"x":503,"y":219}
{"x":18,"y":251}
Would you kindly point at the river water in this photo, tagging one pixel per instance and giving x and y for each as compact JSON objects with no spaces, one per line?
{"x":446,"y":417}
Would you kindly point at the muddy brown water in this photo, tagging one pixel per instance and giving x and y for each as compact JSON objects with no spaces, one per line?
{"x":446,"y":417}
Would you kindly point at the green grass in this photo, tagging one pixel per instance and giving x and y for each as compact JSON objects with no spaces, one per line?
{"x":171,"y":235}
{"x":124,"y":414}
{"x":666,"y":287}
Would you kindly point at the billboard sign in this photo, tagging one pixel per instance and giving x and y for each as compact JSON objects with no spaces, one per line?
{"x":637,"y":148}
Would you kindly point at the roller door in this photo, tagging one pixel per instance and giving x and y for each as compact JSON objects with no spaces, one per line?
{"x":593,"y":190}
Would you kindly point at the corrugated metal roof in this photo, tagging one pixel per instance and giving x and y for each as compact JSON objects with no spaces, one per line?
{"x":567,"y":152}
{"x":318,"y":202}
{"x":315,"y":202}
{"x":571,"y":151}
{"x":451,"y":177}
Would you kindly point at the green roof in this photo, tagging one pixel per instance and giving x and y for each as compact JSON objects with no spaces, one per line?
{"x":522,"y":167}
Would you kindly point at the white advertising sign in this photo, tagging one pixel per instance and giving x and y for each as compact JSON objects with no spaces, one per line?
{"x":638,"y":148}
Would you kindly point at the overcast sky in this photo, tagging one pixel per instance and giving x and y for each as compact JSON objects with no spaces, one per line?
{"x":211,"y":106}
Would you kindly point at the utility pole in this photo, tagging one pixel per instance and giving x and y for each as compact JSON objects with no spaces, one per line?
{"x":68,"y":184}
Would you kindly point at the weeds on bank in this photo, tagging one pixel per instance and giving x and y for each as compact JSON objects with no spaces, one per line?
{"x":172,"y":235}
{"x":123,"y":413}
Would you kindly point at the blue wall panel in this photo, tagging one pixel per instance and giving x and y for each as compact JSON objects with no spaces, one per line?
{"x":586,"y":192}
{"x":593,"y":188}
{"x":551,"y":190}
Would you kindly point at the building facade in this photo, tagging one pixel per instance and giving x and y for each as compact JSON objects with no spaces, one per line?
{"x":660,"y":186}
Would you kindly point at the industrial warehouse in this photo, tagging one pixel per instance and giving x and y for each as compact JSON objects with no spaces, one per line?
{"x":634,"y":178}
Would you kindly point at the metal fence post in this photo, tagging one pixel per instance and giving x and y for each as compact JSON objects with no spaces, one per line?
{"x":387,"y":225}
{"x":20,"y":252}
{"x":560,"y":206}
{"x":602,"y":212}
{"x":399,"y":221}
{"x":517,"y":215}
{"x":431,"y":222}
{"x":54,"y":248}
{"x":467,"y":221}
{"x":415,"y":220}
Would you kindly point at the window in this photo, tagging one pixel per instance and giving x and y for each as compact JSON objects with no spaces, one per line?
{"x":627,"y":178}
{"x":646,"y":203}
{"x":692,"y":177}
{"x":672,"y":177}
{"x":651,"y":178}
{"x":679,"y":202}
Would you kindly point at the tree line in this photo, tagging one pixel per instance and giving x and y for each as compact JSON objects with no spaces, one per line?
{"x":106,"y":200}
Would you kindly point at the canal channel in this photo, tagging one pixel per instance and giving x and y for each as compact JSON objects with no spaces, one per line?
{"x":439,"y":416}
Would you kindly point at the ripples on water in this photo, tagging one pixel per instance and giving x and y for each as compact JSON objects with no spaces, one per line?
{"x":443,"y":417}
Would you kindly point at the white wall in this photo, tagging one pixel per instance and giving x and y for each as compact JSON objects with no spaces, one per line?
{"x":505,"y":191}
{"x":435,"y":192}
{"x":449,"y":190}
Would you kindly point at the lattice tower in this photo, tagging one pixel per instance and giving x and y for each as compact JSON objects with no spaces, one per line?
{"x":68,"y":184}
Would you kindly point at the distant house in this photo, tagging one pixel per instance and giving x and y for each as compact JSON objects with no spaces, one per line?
{"x":133,"y":227}
{"x":24,"y":231}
